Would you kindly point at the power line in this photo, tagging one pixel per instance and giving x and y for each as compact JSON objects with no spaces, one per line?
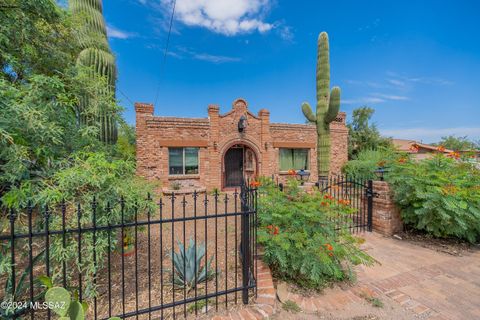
{"x":123,"y":94}
{"x":166,"y":50}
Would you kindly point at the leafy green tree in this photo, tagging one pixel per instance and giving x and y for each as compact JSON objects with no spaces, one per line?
{"x":457,"y":143}
{"x":46,"y":154}
{"x":363,"y":135}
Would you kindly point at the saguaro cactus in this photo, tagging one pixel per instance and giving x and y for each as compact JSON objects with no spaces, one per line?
{"x":328,"y":104}
{"x":96,"y":55}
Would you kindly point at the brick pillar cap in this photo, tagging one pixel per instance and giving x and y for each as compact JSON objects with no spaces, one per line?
{"x":213,"y":108}
{"x":144,"y":108}
{"x":263,"y":112}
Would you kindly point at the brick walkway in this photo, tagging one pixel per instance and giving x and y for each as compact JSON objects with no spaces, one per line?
{"x":423,"y":283}
{"x":439,"y":285}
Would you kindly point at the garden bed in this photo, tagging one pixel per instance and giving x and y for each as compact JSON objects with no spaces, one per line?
{"x":452,"y":246}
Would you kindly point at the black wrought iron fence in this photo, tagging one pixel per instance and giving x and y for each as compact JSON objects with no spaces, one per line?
{"x":183,"y":254}
{"x":354,"y":192}
{"x":357,"y":193}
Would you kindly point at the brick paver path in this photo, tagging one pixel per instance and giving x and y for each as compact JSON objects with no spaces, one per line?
{"x":423,"y":280}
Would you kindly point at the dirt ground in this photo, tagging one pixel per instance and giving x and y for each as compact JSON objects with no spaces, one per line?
{"x":222,"y":236}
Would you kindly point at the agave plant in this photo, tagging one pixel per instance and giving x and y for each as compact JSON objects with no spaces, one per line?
{"x":188,"y":271}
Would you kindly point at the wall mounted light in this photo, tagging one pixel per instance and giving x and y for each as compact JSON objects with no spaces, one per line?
{"x":242,"y":124}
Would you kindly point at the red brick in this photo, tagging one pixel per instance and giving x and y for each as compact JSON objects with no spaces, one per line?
{"x":216,"y":133}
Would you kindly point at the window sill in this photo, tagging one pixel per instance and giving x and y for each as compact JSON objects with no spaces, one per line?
{"x":183,"y":176}
{"x":285,"y":173}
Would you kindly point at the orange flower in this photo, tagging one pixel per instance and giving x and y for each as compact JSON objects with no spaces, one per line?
{"x":344,"y":202}
{"x":328,"y":246}
{"x":276,"y":230}
{"x":327,"y":196}
{"x":324,"y":204}
{"x":330,"y":254}
{"x":273,"y":229}
{"x":292,"y":172}
{"x":402,"y":160}
{"x":441,"y":148}
{"x":255,"y":184}
{"x":454,"y":155}
{"x":414,"y":148}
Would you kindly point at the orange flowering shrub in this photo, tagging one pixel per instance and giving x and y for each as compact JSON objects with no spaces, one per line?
{"x":292,"y":226}
{"x":439,"y":195}
{"x":441,"y":148}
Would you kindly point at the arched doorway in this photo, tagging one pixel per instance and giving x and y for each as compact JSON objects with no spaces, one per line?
{"x":239,"y":162}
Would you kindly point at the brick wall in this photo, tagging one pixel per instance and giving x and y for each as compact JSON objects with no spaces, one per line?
{"x":217,"y":133}
{"x":386,"y":216}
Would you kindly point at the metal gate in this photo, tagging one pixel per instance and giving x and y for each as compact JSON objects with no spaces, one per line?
{"x":358,"y":194}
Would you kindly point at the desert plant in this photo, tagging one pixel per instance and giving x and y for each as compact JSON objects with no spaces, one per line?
{"x":300,"y":235}
{"x":61,"y":302}
{"x":440,"y":195}
{"x":328,"y":104}
{"x":95,"y":54}
{"x":188,"y":269}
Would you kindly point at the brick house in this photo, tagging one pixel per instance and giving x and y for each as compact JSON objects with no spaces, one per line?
{"x":216,"y":152}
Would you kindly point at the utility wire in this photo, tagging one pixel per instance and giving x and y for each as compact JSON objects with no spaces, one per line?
{"x":123,"y":94}
{"x":166,"y":50}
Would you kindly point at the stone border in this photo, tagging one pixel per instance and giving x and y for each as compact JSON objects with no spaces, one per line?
{"x":264,"y":305}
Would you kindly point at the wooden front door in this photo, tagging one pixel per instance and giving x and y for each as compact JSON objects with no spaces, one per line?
{"x":234,"y":167}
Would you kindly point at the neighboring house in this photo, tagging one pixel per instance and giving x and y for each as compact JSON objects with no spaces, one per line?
{"x":218,"y":151}
{"x":417,"y":149}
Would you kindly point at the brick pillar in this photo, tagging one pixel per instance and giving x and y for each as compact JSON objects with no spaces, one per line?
{"x":386,"y":215}
{"x":143,"y":112}
{"x":266,"y":146}
{"x":214,"y":176}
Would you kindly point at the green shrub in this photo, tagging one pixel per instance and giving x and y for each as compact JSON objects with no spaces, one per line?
{"x":440,"y":195}
{"x":367,"y":161}
{"x":299,"y":237}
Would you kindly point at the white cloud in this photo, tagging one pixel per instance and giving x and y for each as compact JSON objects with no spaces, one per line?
{"x":391,"y":96}
{"x":375,"y":98}
{"x":431,"y":134}
{"x":186,"y":53}
{"x":228,"y":17}
{"x":364,"y":100}
{"x":214,"y":58}
{"x":396,"y":82}
{"x":286,"y":33}
{"x":116,"y":33}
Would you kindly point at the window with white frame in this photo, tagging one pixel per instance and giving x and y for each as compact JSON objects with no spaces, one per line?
{"x":182,"y":161}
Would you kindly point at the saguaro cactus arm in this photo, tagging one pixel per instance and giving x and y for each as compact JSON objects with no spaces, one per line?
{"x":307,"y":112}
{"x":333,"y":105}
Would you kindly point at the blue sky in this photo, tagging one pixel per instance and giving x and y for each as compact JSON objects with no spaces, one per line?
{"x":416,"y":62}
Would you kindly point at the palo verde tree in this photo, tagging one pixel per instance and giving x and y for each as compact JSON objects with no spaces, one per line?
{"x":328,"y":104}
{"x":97,"y":57}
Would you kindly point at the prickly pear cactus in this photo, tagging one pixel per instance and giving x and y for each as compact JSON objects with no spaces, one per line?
{"x":60,"y":300}
{"x":328,"y":104}
{"x":75,"y":312}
